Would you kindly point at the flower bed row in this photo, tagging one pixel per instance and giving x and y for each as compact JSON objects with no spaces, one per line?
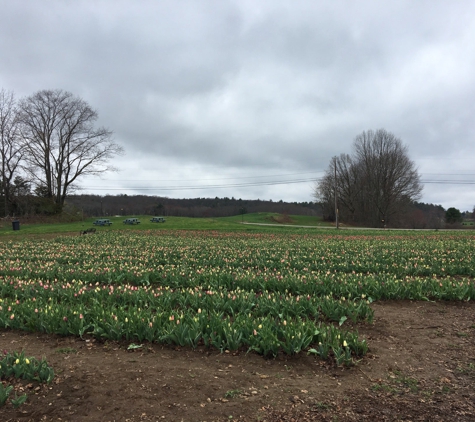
{"x":265,"y":323}
{"x":139,"y":258}
{"x":266,"y":293}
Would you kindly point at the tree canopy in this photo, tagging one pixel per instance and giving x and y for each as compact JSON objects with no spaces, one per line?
{"x":374,"y":185}
{"x":453,"y":215}
{"x":61,"y":142}
{"x":11,"y":153}
{"x":47,"y":142}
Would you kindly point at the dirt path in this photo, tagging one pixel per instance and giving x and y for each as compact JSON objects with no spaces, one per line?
{"x":421,"y":367}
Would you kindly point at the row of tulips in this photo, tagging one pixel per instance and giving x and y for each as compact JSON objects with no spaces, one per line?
{"x":266,"y":293}
{"x":140,"y":258}
{"x":229,"y":302}
{"x":263,"y":323}
{"x":319,"y":295}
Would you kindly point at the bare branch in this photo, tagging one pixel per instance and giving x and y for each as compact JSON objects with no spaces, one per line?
{"x":376,"y":183}
{"x":62,"y":143}
{"x":11,"y":152}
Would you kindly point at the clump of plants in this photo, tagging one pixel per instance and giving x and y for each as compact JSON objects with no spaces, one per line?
{"x":17,"y":365}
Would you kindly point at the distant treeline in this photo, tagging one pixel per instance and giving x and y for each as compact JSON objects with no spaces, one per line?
{"x":417,"y":215}
{"x":96,"y":205}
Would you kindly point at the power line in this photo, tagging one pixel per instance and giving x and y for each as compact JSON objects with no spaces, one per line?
{"x":202,"y":182}
{"x":450,"y":174}
{"x":254,"y":184}
{"x":449,"y":182}
{"x":230,"y":185}
{"x":221,"y":178}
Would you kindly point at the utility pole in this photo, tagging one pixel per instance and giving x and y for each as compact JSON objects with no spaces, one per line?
{"x":5,"y":196}
{"x":336,"y":196}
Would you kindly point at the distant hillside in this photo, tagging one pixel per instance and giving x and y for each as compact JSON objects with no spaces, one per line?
{"x":96,"y":205}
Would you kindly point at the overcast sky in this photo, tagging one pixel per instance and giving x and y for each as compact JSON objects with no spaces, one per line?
{"x":239,"y":98}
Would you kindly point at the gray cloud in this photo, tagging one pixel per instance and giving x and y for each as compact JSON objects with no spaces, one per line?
{"x":225,"y":90}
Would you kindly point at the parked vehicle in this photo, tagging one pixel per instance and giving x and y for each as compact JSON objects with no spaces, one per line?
{"x":157,"y":220}
{"x":131,"y":221}
{"x":102,"y":222}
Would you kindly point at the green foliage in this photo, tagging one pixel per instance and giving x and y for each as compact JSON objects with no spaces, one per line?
{"x":4,"y":393}
{"x":172,"y":223}
{"x":269,"y":293}
{"x":18,"y":401}
{"x":453,"y":215}
{"x":232,"y":393}
{"x":17,"y":365}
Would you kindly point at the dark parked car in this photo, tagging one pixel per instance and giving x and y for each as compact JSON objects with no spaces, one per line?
{"x":157,"y":220}
{"x":131,"y":221}
{"x":102,"y":222}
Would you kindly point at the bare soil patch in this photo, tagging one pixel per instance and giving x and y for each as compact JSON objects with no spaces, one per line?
{"x":421,"y":367}
{"x":281,"y":219}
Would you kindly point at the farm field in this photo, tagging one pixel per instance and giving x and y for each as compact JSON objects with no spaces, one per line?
{"x":220,"y":325}
{"x":172,"y":223}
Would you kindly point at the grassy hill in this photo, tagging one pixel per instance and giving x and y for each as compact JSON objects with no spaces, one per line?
{"x":275,"y":218}
{"x":173,"y":223}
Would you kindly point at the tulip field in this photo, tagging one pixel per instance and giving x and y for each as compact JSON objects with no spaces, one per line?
{"x":268,"y":293}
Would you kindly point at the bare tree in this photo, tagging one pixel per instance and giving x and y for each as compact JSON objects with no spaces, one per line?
{"x":61,"y":142}
{"x":347,"y":187}
{"x":389,"y":175}
{"x":375,"y":184}
{"x":11,"y":152}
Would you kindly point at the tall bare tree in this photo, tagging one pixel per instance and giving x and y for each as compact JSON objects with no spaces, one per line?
{"x":61,"y":142}
{"x":389,"y":175}
{"x":375,"y":184}
{"x":324,"y":193}
{"x":11,"y":152}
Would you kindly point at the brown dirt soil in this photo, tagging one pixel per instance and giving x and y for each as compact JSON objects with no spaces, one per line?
{"x":421,"y":367}
{"x":281,"y":219}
